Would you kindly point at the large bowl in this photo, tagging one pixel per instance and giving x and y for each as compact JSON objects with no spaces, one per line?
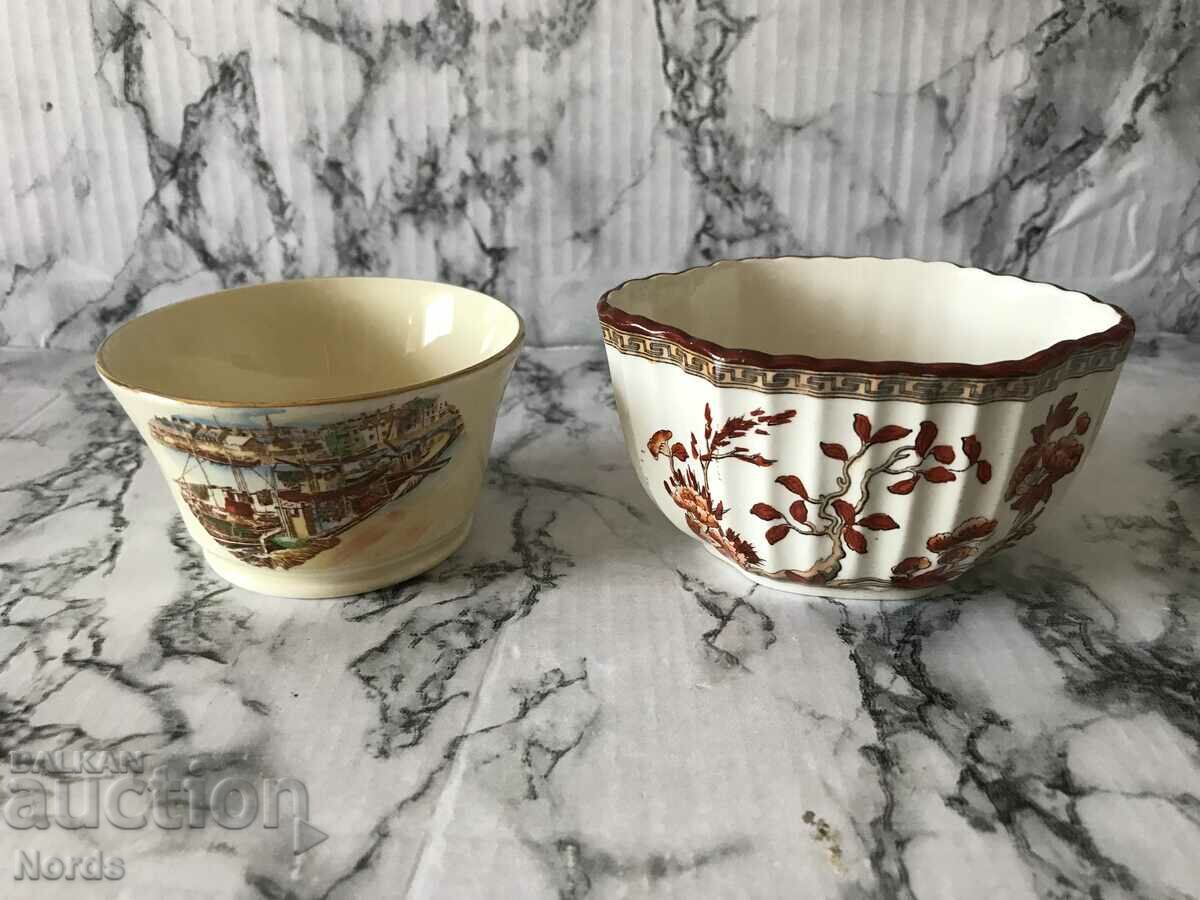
{"x":321,"y":437}
{"x":861,"y":426}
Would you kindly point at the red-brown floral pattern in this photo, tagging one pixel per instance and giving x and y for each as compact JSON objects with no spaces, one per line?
{"x":692,"y":495}
{"x":956,"y":551}
{"x":1047,"y":461}
{"x":839,"y":517}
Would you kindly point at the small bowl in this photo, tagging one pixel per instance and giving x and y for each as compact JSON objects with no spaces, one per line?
{"x":868,"y":427}
{"x":322,"y":437}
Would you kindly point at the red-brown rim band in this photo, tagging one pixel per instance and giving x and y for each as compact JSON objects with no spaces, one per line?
{"x":1117,"y":335}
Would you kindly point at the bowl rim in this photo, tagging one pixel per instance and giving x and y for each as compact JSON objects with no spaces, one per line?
{"x":509,"y":348}
{"x":1034,"y":364}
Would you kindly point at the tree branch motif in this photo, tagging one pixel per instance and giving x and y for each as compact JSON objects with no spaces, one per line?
{"x":839,"y":516}
{"x":843,"y":510}
{"x":1043,"y":464}
{"x":692,"y":494}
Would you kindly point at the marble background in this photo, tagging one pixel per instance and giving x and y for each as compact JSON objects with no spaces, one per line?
{"x":544,"y":150}
{"x":584,"y":704}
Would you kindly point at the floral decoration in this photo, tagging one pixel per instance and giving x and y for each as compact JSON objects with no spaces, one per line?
{"x":841,"y":518}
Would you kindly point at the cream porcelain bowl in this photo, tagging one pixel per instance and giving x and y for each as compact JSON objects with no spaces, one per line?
{"x":321,"y":437}
{"x":865,"y":427}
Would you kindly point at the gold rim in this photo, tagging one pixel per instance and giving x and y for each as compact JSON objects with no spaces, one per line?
{"x":511,"y":348}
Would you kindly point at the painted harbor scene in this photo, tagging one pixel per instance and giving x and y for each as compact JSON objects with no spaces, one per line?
{"x":278,"y":495}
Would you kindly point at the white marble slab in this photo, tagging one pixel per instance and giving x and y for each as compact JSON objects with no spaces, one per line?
{"x":583,"y":703}
{"x":546,"y":150}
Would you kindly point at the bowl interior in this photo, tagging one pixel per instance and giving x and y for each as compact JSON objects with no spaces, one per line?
{"x":866,"y":309}
{"x":309,"y":341}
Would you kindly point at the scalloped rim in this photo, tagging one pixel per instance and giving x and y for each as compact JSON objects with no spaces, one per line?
{"x":1034,"y":364}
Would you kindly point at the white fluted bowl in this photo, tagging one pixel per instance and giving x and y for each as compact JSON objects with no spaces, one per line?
{"x":860,"y":426}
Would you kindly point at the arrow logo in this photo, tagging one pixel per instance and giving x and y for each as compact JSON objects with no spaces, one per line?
{"x":305,"y":836}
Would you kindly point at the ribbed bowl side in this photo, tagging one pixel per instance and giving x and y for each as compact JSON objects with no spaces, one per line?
{"x":798,"y":491}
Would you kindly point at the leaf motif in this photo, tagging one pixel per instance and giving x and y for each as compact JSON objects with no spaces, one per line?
{"x":855,"y":540}
{"x":695,"y":447}
{"x":974,"y":529}
{"x":658,"y":442}
{"x":834,"y":451}
{"x":878,"y":522}
{"x":943,"y":453}
{"x":1038,"y":433}
{"x":1061,"y":413}
{"x":845,"y":511}
{"x":781,"y":418}
{"x":925,"y":438}
{"x":940,"y":542}
{"x":903,"y":487}
{"x":984,"y":471}
{"x":777,"y":533}
{"x":912,"y":564}
{"x":862,"y":427}
{"x":766,"y":512}
{"x":799,"y":511}
{"x":793,"y":484}
{"x":679,"y":452}
{"x":938,"y":475}
{"x":757,"y":460}
{"x":1083,"y":423}
{"x":889,"y":433}
{"x":971,"y":447}
{"x":956,"y":555}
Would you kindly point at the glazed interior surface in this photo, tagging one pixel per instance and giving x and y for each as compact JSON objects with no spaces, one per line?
{"x":866,"y":309}
{"x":315,"y":340}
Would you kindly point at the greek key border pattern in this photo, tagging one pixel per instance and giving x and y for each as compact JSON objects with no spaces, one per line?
{"x":848,"y":385}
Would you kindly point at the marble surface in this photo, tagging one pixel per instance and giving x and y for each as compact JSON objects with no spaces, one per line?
{"x":545,"y":150}
{"x":583,"y":703}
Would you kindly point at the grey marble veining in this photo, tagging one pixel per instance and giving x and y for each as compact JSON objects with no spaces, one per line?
{"x":545,"y":150}
{"x":583,"y":703}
